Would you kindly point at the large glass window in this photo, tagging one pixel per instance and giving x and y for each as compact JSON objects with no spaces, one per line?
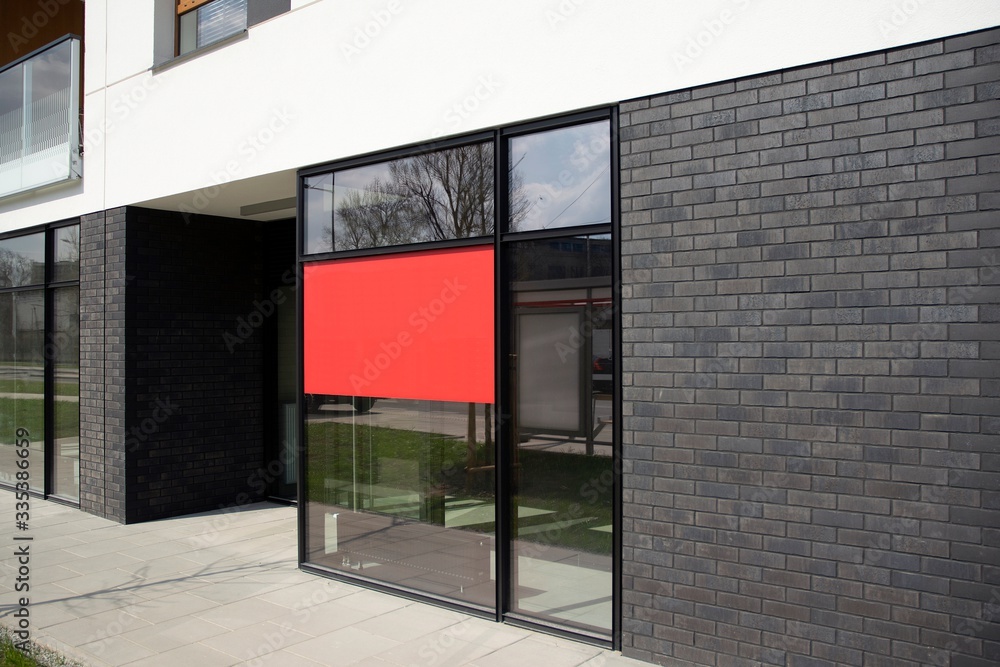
{"x":437,"y":196}
{"x":63,"y":349}
{"x":401,"y":490}
{"x":563,"y":451}
{"x":22,"y":382}
{"x":399,"y":383}
{"x":434,"y":462}
{"x":40,"y":348}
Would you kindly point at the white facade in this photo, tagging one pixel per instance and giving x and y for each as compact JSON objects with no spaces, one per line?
{"x":227,"y":128}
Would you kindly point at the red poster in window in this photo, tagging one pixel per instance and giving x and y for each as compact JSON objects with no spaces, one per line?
{"x":417,"y":325}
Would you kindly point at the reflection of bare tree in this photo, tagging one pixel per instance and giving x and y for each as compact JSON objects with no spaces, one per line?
{"x":449,"y":193}
{"x":446,"y":194}
{"x":15,"y":268}
{"x":69,"y":251}
{"x":373,"y":218}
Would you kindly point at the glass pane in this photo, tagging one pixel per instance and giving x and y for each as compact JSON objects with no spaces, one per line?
{"x":22,"y":260}
{"x":402,"y":491}
{"x":437,"y":196}
{"x":220,"y":19}
{"x":67,"y":254}
{"x":64,"y":349}
{"x":11,"y":125}
{"x":212,"y":22}
{"x":51,"y":90}
{"x":563,"y":472}
{"x":39,"y":119}
{"x":22,"y":382}
{"x":399,"y":361}
{"x":318,"y":210}
{"x":188,"y":39}
{"x":561,"y":178}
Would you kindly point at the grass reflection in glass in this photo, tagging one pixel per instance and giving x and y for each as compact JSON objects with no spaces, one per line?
{"x":406,"y":473}
{"x":574,"y":490}
{"x":428,"y":477}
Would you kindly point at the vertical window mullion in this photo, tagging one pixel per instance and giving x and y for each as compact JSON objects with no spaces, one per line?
{"x":48,"y":366}
{"x":502,"y":346}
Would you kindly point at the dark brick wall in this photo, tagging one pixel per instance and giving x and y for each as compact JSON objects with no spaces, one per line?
{"x":102,"y":364}
{"x":194,"y":412}
{"x":811,"y":279}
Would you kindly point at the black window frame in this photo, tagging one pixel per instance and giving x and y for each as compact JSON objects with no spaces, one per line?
{"x":501,"y":239}
{"x":49,"y":285}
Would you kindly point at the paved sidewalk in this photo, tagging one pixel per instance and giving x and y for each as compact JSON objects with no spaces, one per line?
{"x":223,"y":588}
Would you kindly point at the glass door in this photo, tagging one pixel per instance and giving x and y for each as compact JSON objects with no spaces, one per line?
{"x":562,"y":477}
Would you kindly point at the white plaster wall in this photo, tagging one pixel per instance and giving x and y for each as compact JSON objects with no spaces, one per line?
{"x":335,"y":78}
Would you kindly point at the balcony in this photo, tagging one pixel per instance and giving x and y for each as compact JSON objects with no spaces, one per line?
{"x":40,"y":118}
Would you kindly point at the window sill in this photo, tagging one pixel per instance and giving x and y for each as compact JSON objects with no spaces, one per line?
{"x":201,"y":50}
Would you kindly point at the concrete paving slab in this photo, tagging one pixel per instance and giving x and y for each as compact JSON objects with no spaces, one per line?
{"x":256,"y":640}
{"x":168,"y":635}
{"x":281,"y":658}
{"x":531,"y":651}
{"x":411,"y":622}
{"x":118,"y":651}
{"x":192,"y":654}
{"x":242,"y":613}
{"x":343,"y":647}
{"x":220,"y":589}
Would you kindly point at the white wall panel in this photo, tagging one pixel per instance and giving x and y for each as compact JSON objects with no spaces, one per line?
{"x":335,"y":78}
{"x":129,"y":37}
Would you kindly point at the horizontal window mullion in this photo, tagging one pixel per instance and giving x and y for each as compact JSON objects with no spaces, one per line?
{"x":398,"y":249}
{"x":556,"y":232}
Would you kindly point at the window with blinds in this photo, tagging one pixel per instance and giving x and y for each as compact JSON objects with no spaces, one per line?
{"x":202,"y":22}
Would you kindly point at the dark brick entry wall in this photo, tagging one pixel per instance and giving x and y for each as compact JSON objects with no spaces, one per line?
{"x":811,"y":275}
{"x":171,"y":407}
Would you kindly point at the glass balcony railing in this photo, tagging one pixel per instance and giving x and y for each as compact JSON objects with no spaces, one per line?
{"x":40,"y":119}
